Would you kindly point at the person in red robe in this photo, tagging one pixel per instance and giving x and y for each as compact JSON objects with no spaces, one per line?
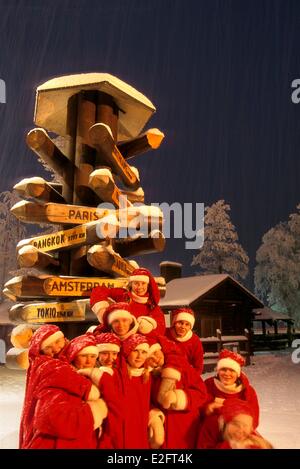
{"x":143,"y":297}
{"x":230,"y":382}
{"x":58,"y":410}
{"x":234,"y":430}
{"x":183,"y":397}
{"x":117,"y":319}
{"x":182,"y":323}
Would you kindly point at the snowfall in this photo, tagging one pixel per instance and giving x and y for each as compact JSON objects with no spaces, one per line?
{"x":274,"y":376}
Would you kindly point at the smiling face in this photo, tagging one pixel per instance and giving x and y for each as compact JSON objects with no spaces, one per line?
{"x":108,"y":358}
{"x":121,"y":326}
{"x":85,"y":360}
{"x":54,"y":348}
{"x":139,"y":288}
{"x":137,"y":358}
{"x":182,"y":328}
{"x":156,"y":359}
{"x":227,"y":376}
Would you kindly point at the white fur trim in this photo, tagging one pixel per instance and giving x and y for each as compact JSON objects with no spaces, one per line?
{"x":107,"y":347}
{"x":229,"y":363}
{"x":91,"y":329}
{"x":119,"y":314}
{"x":94,"y":393}
{"x":52,"y":338}
{"x":154,"y":348}
{"x":171,"y":373}
{"x":185,"y":338}
{"x":184,"y":317}
{"x":144,"y":346}
{"x":99,"y":305}
{"x":139,"y":278}
{"x":182,"y":401}
{"x":106,"y":369}
{"x":149,"y":319}
{"x":89,"y":350}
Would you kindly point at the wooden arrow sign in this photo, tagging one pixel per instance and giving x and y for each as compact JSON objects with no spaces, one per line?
{"x":100,"y":136}
{"x":29,"y":286}
{"x":102,"y":182}
{"x":30,"y":212}
{"x":89,"y":233}
{"x":139,"y":245}
{"x":49,"y":312}
{"x":106,"y":259}
{"x":40,"y":190}
{"x":30,"y":256}
{"x":149,"y":140}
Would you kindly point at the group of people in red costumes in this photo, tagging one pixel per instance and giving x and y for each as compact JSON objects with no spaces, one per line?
{"x":130,"y":383}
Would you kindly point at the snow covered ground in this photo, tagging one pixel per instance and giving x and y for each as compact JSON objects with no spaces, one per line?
{"x":274,"y":376}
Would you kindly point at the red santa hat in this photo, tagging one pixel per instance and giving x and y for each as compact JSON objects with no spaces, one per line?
{"x":108,"y":342}
{"x":83,"y":344}
{"x":233,"y":407}
{"x":232,"y":360}
{"x":144,"y":275}
{"x":154,"y":345}
{"x":117,"y":311}
{"x":134,"y":342}
{"x":183,"y":314}
{"x":43,"y":337}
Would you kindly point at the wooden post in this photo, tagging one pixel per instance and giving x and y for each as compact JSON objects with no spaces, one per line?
{"x":219,"y":337}
{"x":275,"y":327}
{"x":289,"y":333}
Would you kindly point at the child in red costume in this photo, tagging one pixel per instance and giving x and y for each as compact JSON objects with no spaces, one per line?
{"x":178,"y":390}
{"x":182,"y":323}
{"x":234,"y":430}
{"x":229,"y":383}
{"x":118,"y":319}
{"x":55,"y":414}
{"x":142,"y":296}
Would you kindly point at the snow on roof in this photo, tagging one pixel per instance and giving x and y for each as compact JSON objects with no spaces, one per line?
{"x":267,"y":314}
{"x":52,"y":98}
{"x":184,"y":291}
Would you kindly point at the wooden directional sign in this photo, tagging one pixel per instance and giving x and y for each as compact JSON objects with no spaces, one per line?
{"x":40,"y":190}
{"x":106,"y":259}
{"x":36,"y":313}
{"x":29,"y":256}
{"x":89,"y":233}
{"x":102,"y":183}
{"x":149,"y":140}
{"x":31,"y":212}
{"x":139,"y":245}
{"x":29,"y":286}
{"x":101,"y":138}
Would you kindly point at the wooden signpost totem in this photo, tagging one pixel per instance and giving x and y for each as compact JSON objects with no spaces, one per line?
{"x":99,"y":121}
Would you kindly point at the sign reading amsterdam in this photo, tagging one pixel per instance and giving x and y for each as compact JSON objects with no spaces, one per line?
{"x":49,"y":312}
{"x":27,"y":286}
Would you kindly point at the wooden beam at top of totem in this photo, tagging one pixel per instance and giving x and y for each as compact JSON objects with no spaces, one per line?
{"x":101,"y":138}
{"x":40,"y":190}
{"x":149,"y":140}
{"x":49,"y":312}
{"x":53,"y":97}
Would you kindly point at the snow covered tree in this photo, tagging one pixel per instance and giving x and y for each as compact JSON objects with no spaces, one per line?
{"x":277,"y":273}
{"x":11,"y":232}
{"x":221,"y":252}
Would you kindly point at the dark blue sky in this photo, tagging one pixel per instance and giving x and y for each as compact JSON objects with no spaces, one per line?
{"x":219,"y":73}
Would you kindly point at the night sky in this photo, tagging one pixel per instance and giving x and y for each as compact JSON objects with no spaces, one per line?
{"x":219,"y":74}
